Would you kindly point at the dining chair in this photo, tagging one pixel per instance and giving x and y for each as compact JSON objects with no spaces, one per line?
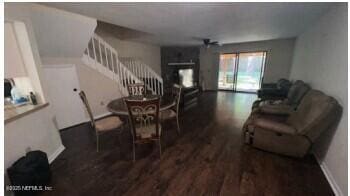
{"x":144,"y":122}
{"x":173,"y":112}
{"x":136,"y":89}
{"x":102,"y":125}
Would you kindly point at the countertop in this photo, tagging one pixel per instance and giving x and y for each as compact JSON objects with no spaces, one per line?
{"x":12,"y":112}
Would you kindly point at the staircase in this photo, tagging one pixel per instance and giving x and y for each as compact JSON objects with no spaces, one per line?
{"x":153,"y":81}
{"x":102,"y":57}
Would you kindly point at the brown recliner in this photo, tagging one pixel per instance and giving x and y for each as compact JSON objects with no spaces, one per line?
{"x":294,"y":135}
{"x":278,"y":90}
{"x":286,"y":106}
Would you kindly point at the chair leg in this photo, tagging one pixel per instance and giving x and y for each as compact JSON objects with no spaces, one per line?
{"x":97,"y":142}
{"x":134,"y":153}
{"x":178,"y":124}
{"x":160,"y":149}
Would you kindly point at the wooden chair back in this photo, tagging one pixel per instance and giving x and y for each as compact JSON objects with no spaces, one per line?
{"x":87,"y":106}
{"x":143,"y":115}
{"x":136,"y":89}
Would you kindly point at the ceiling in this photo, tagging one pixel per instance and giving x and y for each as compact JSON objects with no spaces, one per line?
{"x":186,"y":23}
{"x":123,"y":33}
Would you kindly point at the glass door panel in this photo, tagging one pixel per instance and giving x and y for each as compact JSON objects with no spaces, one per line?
{"x":249,"y":71}
{"x":227,"y":71}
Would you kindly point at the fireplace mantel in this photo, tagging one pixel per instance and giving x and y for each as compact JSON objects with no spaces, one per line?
{"x":184,"y":63}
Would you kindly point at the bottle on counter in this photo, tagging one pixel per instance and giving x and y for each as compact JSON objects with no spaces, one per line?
{"x":16,"y":95}
{"x":33,"y":98}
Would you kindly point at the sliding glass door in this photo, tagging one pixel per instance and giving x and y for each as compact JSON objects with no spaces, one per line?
{"x":227,"y":71}
{"x":241,"y":71}
{"x":250,"y":71}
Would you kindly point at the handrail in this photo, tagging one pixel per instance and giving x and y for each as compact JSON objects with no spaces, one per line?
{"x":152,"y":80}
{"x":104,"y":58}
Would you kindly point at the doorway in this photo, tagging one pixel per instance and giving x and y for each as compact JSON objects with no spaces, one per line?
{"x":241,"y":72}
{"x":63,"y":87}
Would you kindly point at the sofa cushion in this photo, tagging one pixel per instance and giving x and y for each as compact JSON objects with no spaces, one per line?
{"x":274,"y":126}
{"x":281,"y":109}
{"x":297,"y":92}
{"x":108,"y":123}
{"x":167,"y":114}
{"x":315,"y":108}
{"x":291,"y":145}
{"x":148,"y":132}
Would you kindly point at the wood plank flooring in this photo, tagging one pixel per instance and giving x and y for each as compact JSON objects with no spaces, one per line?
{"x":207,"y":158}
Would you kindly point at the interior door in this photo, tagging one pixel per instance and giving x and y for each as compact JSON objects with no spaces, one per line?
{"x":63,"y":86}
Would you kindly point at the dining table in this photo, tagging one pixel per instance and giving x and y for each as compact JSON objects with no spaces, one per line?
{"x":118,"y":106}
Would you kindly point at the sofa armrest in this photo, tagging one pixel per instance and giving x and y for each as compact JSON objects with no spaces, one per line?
{"x":269,"y":85}
{"x":277,"y":109}
{"x":272,"y":93}
{"x":277,"y":127}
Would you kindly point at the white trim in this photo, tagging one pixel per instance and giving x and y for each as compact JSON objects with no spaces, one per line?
{"x":184,"y":63}
{"x":336,"y":189}
{"x":56,"y":153}
{"x":57,"y":66}
{"x":61,"y":148}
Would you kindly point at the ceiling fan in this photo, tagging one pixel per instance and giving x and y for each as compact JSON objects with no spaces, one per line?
{"x":208,"y":43}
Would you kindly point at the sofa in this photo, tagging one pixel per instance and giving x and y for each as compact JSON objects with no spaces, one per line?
{"x":293,"y":134}
{"x":278,"y":90}
{"x":286,"y":105}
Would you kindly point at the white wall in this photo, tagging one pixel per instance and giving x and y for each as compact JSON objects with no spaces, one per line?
{"x":278,"y":60}
{"x":58,"y":33}
{"x":147,"y":53}
{"x":321,"y":59}
{"x":36,"y":130}
{"x":24,"y":85}
{"x":99,"y":89}
{"x":14,"y":63}
{"x":61,"y":37}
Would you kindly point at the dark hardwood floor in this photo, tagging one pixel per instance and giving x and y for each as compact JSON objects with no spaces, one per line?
{"x":208,"y":158}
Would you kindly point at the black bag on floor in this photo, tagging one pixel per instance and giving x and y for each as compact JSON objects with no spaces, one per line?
{"x":32,"y":170}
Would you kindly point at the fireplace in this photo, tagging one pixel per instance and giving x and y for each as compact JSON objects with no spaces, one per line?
{"x":180,"y":65}
{"x":186,"y":77}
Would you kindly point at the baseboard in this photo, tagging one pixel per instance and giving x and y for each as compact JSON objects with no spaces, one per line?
{"x":87,"y":120}
{"x":61,"y":148}
{"x":56,"y":153}
{"x":337,"y":191}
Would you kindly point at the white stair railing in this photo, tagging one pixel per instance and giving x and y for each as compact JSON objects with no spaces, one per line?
{"x":146,"y":74}
{"x":102,"y":57}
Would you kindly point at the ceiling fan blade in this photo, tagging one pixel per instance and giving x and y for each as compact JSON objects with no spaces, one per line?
{"x":198,"y":38}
